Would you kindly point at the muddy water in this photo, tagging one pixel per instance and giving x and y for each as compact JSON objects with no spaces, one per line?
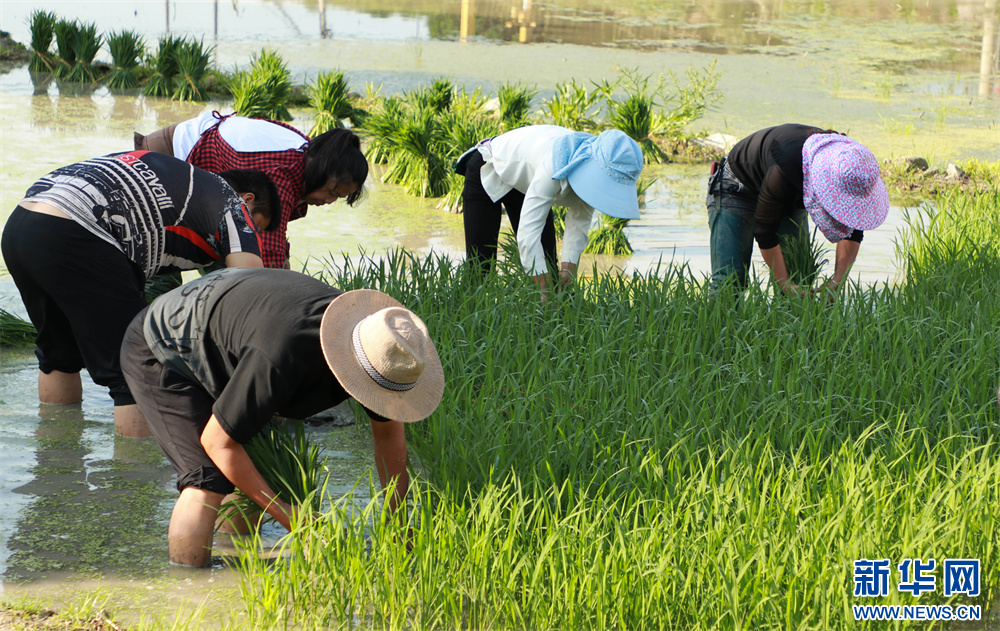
{"x":80,"y":503}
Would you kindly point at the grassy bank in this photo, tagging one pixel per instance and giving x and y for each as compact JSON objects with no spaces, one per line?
{"x":636,"y":455}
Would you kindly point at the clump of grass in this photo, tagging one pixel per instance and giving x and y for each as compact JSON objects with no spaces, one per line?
{"x":264,"y":89}
{"x":14,"y":331}
{"x":42,"y":25}
{"x":164,"y":68}
{"x":127,"y":50}
{"x":329,"y":96}
{"x":609,"y":237}
{"x":192,"y":64}
{"x":515,"y":103}
{"x":803,"y":256}
{"x":573,"y":107}
{"x":86,"y":44}
{"x":559,"y":220}
{"x":66,"y":34}
{"x":635,"y":113}
{"x":290,"y":463}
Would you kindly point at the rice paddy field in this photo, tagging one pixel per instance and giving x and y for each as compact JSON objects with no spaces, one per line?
{"x":637,"y":454}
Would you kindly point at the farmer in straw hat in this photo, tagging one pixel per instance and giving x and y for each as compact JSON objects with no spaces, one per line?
{"x":768,"y":184}
{"x":211,"y":362}
{"x":528,"y":170}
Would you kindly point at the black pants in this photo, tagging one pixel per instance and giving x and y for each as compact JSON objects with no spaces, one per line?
{"x":482,"y":215}
{"x":80,"y":293}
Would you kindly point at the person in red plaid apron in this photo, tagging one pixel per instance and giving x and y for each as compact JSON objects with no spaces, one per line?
{"x":316,"y":171}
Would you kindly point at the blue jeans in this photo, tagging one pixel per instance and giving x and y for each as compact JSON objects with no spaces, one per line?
{"x":731,"y":209}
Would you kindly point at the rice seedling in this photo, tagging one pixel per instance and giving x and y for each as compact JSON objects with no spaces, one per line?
{"x":86,"y":44}
{"x":192,"y":64}
{"x":609,"y":237}
{"x":164,"y":68}
{"x":161,"y":284}
{"x":416,"y":162}
{"x":635,"y":114}
{"x":263,"y":90}
{"x":14,"y":331}
{"x":515,"y":102}
{"x":42,"y":25}
{"x":636,"y":437}
{"x":328,"y":95}
{"x":559,"y":220}
{"x":573,"y":107}
{"x":127,"y":50}
{"x":803,"y":257}
{"x":682,"y":104}
{"x":66,"y":33}
{"x":292,"y":466}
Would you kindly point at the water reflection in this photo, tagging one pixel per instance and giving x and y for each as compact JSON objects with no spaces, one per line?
{"x":92,"y":501}
{"x":989,"y":58}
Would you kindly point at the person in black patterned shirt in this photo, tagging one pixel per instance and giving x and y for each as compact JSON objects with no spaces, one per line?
{"x":86,"y":237}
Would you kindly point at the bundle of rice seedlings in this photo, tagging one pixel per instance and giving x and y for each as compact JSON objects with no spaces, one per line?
{"x":636,"y":114}
{"x":263,"y":90}
{"x":66,"y":33}
{"x":380,"y":126}
{"x":441,"y":92}
{"x":515,"y":101}
{"x":192,"y":64}
{"x":803,"y":256}
{"x":86,"y":43}
{"x":559,"y":220}
{"x":14,"y":331}
{"x":416,"y":162}
{"x":161,"y":284}
{"x":573,"y":107}
{"x":164,"y":64}
{"x":127,"y":49}
{"x":42,"y":25}
{"x":291,"y":465}
{"x":609,"y":238}
{"x":328,"y":95}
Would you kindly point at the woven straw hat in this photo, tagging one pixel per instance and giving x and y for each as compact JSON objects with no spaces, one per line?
{"x":382,"y":355}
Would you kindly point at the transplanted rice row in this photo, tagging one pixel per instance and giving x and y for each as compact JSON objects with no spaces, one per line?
{"x":636,"y":454}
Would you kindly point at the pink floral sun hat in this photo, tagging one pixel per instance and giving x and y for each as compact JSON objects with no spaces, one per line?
{"x":841,"y":187}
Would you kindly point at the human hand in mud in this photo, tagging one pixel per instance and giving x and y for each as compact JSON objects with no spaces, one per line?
{"x":828,"y":291}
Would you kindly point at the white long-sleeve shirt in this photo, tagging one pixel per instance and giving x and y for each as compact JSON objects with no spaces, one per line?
{"x":522,"y":159}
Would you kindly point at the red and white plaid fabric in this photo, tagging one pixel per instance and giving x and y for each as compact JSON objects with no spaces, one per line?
{"x":286,"y":168}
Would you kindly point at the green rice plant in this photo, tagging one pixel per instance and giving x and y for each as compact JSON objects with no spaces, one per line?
{"x":440,"y":94}
{"x":379,"y":127}
{"x":161,"y":284}
{"x":127,"y":50}
{"x":291,"y":464}
{"x":684,"y":103}
{"x":573,"y":107}
{"x":416,"y":162}
{"x":86,"y":44}
{"x":559,"y":220}
{"x":329,"y":96}
{"x":981,"y":171}
{"x":263,"y":90}
{"x":635,"y":113}
{"x":66,"y":34}
{"x":803,"y":256}
{"x":14,"y":331}
{"x":192,"y":64}
{"x":164,"y":68}
{"x":42,"y":25}
{"x":609,"y":237}
{"x":515,"y":103}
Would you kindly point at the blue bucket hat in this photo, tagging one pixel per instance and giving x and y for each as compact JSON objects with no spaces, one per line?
{"x":602,"y":170}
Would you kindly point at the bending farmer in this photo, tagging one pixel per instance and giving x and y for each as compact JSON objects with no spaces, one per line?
{"x":85,"y":238}
{"x":769,"y":181}
{"x":307,"y":172}
{"x":211,"y":362}
{"x":525,"y":172}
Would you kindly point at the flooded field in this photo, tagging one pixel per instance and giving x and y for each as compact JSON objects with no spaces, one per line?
{"x":85,"y":510}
